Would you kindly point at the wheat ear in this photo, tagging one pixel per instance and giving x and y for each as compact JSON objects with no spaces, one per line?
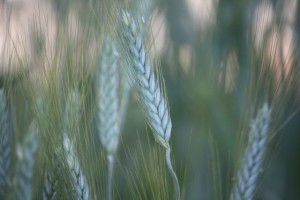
{"x":72,"y":115}
{"x":49,"y":192}
{"x":26,"y":160}
{"x":108,"y":107}
{"x":151,"y":97}
{"x":245,"y":185}
{"x":50,"y":185}
{"x":108,"y":100}
{"x":78,"y":179}
{"x":5,"y":145}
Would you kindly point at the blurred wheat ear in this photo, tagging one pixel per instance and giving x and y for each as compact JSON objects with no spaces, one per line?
{"x":49,"y":192}
{"x":111,"y":106}
{"x":72,"y":114}
{"x":151,"y":97}
{"x":245,"y":185}
{"x":5,"y":145}
{"x":51,"y":182}
{"x":27,"y":152}
{"x":108,"y":108}
{"x":108,"y":100}
{"x":79,"y":183}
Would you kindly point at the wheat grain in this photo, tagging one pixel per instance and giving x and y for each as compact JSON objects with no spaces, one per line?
{"x":5,"y":145}
{"x":151,"y":97}
{"x":244,"y":188}
{"x":26,"y":162}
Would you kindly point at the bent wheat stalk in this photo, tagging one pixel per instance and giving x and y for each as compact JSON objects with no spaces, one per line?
{"x":151,"y":96}
{"x":5,"y":145}
{"x":245,"y":185}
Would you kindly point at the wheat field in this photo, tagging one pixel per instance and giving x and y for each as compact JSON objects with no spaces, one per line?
{"x":149,"y":99}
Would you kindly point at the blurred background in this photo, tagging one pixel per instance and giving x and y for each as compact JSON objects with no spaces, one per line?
{"x":221,"y":60}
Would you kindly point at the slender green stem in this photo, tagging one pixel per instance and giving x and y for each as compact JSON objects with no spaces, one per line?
{"x":172,"y":172}
{"x":111,"y":163}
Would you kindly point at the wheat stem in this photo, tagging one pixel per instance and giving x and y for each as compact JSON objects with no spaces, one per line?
{"x":244,"y":188}
{"x":111,"y":163}
{"x":172,"y":172}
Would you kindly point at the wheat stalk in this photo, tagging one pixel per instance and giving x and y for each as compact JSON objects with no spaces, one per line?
{"x":245,"y":185}
{"x":72,"y":115}
{"x":5,"y":145}
{"x":151,"y":97}
{"x":26,"y":161}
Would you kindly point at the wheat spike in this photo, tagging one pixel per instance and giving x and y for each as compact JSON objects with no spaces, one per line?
{"x":111,"y":110}
{"x":244,"y":188}
{"x":72,"y":115}
{"x":5,"y":145}
{"x":108,"y":100}
{"x":50,"y":185}
{"x":151,"y":97}
{"x":49,"y":192}
{"x":26,"y":160}
{"x":79,"y":182}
